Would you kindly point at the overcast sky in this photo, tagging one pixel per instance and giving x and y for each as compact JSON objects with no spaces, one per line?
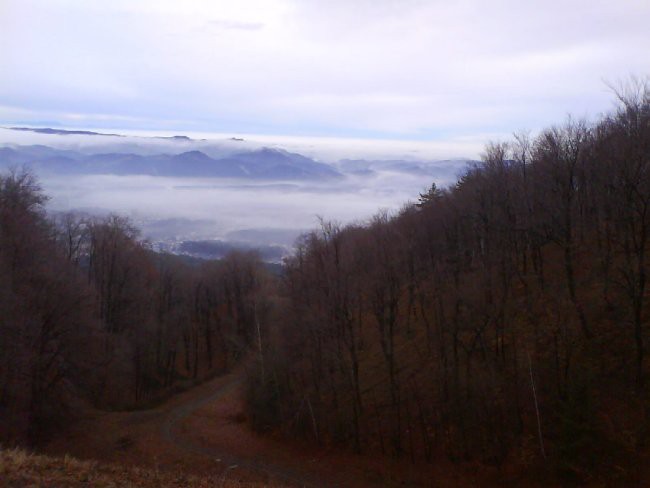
{"x":404,"y":69}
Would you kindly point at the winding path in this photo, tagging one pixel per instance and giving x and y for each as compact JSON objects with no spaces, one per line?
{"x":171,"y":432}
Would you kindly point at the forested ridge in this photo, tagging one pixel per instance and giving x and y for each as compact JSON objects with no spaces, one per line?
{"x":500,"y":321}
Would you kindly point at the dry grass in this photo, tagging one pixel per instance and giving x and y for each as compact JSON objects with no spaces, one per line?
{"x":19,"y":468}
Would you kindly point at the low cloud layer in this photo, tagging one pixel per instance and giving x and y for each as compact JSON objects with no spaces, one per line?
{"x":214,"y":209}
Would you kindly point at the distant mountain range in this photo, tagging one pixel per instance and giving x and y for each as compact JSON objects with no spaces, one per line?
{"x":364,"y":167}
{"x":182,"y":156}
{"x":218,"y":249}
{"x":264,"y":163}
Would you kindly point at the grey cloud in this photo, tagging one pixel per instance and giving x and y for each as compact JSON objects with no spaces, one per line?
{"x":421,"y":69}
{"x":235,"y":25}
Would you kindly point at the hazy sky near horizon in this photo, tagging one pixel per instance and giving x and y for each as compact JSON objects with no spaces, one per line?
{"x":434,"y":70}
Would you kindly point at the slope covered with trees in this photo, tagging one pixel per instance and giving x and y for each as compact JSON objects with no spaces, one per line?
{"x":502,"y":320}
{"x":89,"y":315}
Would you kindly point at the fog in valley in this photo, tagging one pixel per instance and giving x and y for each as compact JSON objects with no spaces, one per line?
{"x":226,"y":192}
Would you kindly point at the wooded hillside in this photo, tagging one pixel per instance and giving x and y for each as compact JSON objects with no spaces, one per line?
{"x":90,"y":316}
{"x":502,"y":320}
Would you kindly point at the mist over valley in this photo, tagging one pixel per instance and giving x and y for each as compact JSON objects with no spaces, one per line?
{"x":205,"y":197}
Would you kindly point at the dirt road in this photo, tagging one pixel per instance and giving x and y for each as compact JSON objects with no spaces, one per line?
{"x":200,"y":431}
{"x":204,"y":431}
{"x":171,"y":432}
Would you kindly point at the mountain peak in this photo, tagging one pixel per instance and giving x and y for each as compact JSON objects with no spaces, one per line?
{"x":193,"y":155}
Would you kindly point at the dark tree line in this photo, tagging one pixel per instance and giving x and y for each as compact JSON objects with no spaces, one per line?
{"x":502,"y":319}
{"x":89,"y":314}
